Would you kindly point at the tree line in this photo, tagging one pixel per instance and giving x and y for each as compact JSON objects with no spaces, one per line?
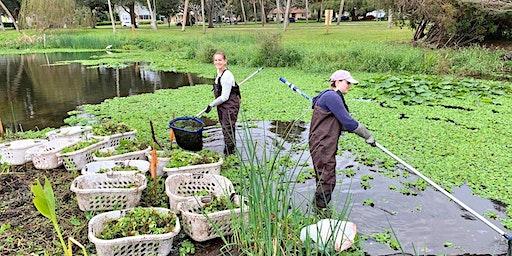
{"x":437,"y":23}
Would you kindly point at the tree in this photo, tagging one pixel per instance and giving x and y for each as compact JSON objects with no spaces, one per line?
{"x":263,"y":16}
{"x":443,"y":23}
{"x":129,"y":7}
{"x":168,"y":8}
{"x":153,"y":15}
{"x":202,"y":16}
{"x":44,"y":14}
{"x":13,"y":6}
{"x":255,"y":13}
{"x":286,"y":14}
{"x":243,"y":11}
{"x":278,"y":9}
{"x":340,"y":13}
{"x":95,"y":7}
{"x":185,"y":16}
{"x":111,"y":14}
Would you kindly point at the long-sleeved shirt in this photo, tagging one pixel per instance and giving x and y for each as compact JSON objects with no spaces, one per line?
{"x":329,"y":100}
{"x":227,"y":81}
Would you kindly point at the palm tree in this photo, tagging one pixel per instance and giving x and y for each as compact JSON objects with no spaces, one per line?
{"x":111,"y":17}
{"x":153,"y":16}
{"x":286,"y":14}
{"x":342,"y":3}
{"x":185,"y":16}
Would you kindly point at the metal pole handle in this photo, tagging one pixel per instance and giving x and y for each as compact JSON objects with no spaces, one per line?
{"x":440,"y":189}
{"x":429,"y":181}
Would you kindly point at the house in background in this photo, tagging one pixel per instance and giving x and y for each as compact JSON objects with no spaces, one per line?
{"x":5,"y":19}
{"x":296,"y":13}
{"x":142,"y":13}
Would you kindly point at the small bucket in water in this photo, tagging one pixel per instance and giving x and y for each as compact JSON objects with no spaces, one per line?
{"x":188,"y":132}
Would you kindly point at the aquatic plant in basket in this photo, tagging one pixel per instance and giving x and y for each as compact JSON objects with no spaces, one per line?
{"x":180,"y":158}
{"x":106,"y":128}
{"x":80,"y":145}
{"x":217,"y":204}
{"x":139,"y":221}
{"x":125,"y":146}
{"x":119,"y":168}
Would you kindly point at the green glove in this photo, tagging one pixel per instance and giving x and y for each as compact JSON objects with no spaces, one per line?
{"x":364,"y":133}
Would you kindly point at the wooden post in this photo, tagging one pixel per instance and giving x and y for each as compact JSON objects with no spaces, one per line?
{"x":328,"y":18}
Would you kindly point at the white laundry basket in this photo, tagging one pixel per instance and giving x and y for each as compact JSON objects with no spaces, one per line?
{"x":76,"y":160}
{"x":180,"y":187}
{"x":45,"y":156}
{"x":72,"y":132}
{"x":142,"y":245}
{"x":110,"y":191}
{"x":136,"y":155}
{"x":113,"y":140}
{"x":96,"y":167}
{"x":202,"y":227}
{"x":14,"y":152}
{"x":213,"y":168}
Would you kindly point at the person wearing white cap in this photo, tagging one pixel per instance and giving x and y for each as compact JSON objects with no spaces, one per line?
{"x":330,"y":117}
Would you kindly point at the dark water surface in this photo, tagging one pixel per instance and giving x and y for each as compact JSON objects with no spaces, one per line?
{"x":428,"y":223}
{"x":36,"y":93}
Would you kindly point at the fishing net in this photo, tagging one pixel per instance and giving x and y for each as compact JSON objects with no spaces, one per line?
{"x":188,"y":132}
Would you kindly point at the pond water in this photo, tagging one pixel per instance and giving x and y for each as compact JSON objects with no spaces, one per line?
{"x":428,"y":223}
{"x":35,"y":93}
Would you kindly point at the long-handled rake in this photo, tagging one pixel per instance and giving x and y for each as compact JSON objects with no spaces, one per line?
{"x":429,"y":181}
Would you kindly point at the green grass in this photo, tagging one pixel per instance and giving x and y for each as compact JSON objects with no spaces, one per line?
{"x":452,"y":146}
{"x":361,"y":46}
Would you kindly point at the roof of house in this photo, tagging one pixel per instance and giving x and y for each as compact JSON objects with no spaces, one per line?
{"x":292,"y":10}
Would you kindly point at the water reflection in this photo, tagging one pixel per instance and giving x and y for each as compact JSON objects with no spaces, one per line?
{"x":290,"y":131}
{"x":36,"y":93}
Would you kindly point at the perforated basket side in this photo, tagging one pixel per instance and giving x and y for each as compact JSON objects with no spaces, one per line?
{"x":213,"y":168}
{"x":108,"y":191}
{"x":136,"y":155}
{"x":75,"y":161}
{"x":14,"y":152}
{"x":143,"y":245}
{"x":180,"y":187}
{"x":113,"y":140}
{"x":45,"y":156}
{"x":202,"y":227}
{"x":72,"y":132}
{"x":98,"y":166}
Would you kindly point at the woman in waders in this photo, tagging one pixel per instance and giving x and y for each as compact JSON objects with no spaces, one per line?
{"x":227,"y":101}
{"x":331,"y":117}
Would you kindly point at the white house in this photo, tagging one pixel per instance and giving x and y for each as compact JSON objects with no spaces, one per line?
{"x":5,"y":19}
{"x":142,"y":13}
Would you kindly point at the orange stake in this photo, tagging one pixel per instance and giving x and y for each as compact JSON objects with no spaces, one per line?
{"x":154,"y":162}
{"x":1,"y":128}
